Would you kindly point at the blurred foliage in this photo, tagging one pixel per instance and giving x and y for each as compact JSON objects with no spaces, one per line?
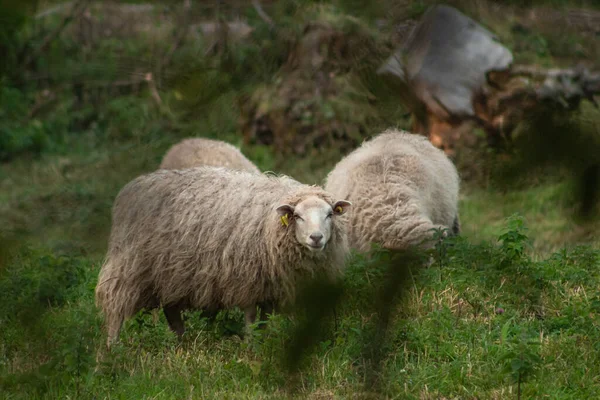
{"x":20,"y":133}
{"x":326,"y":95}
{"x":14,"y":14}
{"x":41,"y":345}
{"x":557,"y":139}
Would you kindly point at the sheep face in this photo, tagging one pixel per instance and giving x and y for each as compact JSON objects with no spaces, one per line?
{"x":311,"y":219}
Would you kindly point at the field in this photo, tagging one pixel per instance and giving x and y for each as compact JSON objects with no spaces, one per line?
{"x":510,"y":309}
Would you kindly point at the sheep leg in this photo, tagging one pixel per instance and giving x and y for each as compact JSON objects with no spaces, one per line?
{"x":456,"y":226}
{"x":250,"y":315}
{"x":113,"y":325}
{"x":173,"y":315}
{"x":210,"y":314}
{"x":250,"y":318}
{"x":266,"y":308}
{"x":155,"y":316}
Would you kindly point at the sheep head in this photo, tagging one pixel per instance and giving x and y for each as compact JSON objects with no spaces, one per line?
{"x":312,"y":218}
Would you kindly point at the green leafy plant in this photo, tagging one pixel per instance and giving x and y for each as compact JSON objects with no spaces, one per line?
{"x":520,"y":355}
{"x":514,"y":241}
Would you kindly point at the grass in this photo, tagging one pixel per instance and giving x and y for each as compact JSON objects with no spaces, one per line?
{"x":474,"y":324}
{"x":545,"y":207}
{"x":58,"y":199}
{"x":446,"y":341}
{"x":507,"y":310}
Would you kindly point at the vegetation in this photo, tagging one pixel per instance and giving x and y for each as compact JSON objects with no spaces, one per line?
{"x":507,"y":310}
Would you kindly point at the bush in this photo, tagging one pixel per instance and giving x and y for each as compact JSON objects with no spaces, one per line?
{"x":16,"y":134}
{"x":48,"y":333}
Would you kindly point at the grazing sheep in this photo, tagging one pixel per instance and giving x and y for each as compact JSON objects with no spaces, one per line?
{"x":401,"y":187}
{"x":212,"y":238}
{"x":196,"y":152}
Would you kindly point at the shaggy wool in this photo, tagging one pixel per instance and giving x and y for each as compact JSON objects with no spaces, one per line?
{"x":401,"y":187}
{"x":196,"y":152}
{"x":208,"y":238}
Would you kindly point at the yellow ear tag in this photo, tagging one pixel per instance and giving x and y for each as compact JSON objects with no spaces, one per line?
{"x":284,"y":220}
{"x":339,"y":209}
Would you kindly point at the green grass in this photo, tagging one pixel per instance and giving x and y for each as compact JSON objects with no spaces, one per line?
{"x":466,"y":327}
{"x":545,"y":207}
{"x":447,"y":338}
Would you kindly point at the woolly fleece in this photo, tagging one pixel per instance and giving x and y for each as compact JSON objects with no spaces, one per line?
{"x":401,"y":187}
{"x":196,"y":152}
{"x":208,"y":238}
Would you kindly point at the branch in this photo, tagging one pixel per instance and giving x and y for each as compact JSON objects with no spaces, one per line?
{"x":179,"y":36}
{"x":152,"y":86}
{"x":47,"y":97}
{"x":78,"y":8}
{"x":560,"y":84}
{"x":52,"y":10}
{"x":129,"y":82}
{"x":135,"y":81}
{"x":579,"y":73}
{"x":262,"y":14}
{"x":535,"y":72}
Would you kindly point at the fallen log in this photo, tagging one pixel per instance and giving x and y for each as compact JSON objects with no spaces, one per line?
{"x":453,"y":72}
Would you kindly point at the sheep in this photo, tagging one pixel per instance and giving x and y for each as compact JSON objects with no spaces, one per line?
{"x":196,"y":152}
{"x":401,"y":187}
{"x":212,"y":238}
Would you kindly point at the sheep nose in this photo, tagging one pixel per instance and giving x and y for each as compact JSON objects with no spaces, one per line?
{"x":316,"y":237}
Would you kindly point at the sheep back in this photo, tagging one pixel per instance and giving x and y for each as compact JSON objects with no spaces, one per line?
{"x":196,"y":152}
{"x":401,"y":187}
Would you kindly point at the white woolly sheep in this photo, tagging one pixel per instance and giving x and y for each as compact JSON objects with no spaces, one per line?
{"x":401,"y":187}
{"x":197,"y":152}
{"x":212,"y":238}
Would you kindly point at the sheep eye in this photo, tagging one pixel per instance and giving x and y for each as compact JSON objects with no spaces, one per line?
{"x":329,"y":215}
{"x":297,"y":217}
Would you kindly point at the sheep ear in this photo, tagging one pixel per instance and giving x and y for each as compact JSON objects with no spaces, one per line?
{"x":341,"y":207}
{"x":285,"y":209}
